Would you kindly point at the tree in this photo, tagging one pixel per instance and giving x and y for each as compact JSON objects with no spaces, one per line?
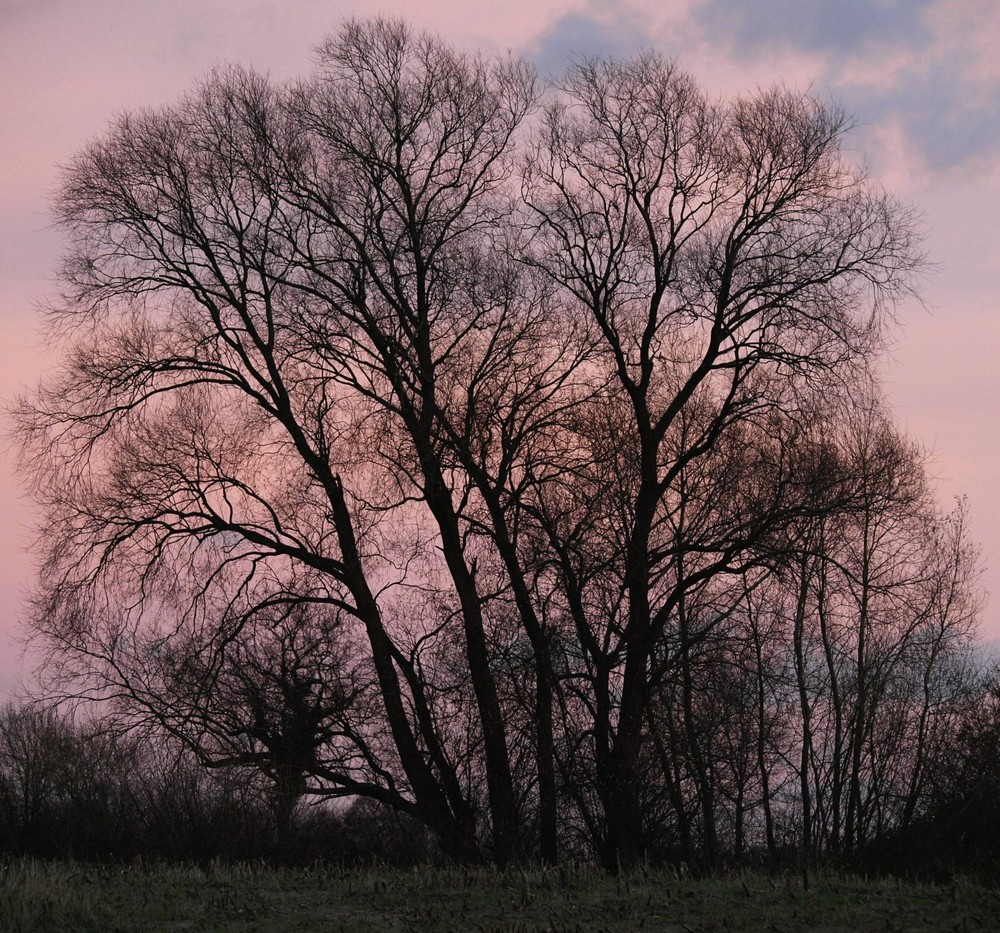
{"x":276,"y":693}
{"x":516,"y":396}
{"x":294,"y":273}
{"x":730,"y":260}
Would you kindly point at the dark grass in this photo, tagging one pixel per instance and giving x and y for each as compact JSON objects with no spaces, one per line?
{"x":39,"y":896}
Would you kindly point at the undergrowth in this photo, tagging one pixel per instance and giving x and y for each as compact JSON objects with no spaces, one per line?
{"x":59,"y":896}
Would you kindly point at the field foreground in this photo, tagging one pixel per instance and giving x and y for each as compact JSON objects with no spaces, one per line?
{"x":47,"y":897}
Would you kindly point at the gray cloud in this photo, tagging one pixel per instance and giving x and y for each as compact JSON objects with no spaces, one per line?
{"x":618,"y":35}
{"x":948,"y":121}
{"x":843,"y":28}
{"x":13,"y":10}
{"x":948,"y":116}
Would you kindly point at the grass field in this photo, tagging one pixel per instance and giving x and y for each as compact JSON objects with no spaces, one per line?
{"x":47,"y":897}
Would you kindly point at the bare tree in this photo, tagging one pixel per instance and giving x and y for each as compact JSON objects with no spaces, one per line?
{"x":729,"y":257}
{"x":416,"y":444}
{"x":274,"y":280}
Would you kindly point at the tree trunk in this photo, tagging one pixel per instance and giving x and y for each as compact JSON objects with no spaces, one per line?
{"x":800,"y":673}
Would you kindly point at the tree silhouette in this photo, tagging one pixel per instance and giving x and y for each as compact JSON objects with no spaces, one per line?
{"x":426,"y":436}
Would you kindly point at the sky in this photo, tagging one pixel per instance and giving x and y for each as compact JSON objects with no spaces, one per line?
{"x":921,"y":77}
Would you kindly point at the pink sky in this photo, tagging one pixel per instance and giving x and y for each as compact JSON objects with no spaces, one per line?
{"x":921,"y":76}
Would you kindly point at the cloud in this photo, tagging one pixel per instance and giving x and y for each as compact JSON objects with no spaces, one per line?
{"x":916,"y":66}
{"x":947,"y":112}
{"x":615,"y":31}
{"x":13,"y":10}
{"x":946,"y":124}
{"x":845,"y":28}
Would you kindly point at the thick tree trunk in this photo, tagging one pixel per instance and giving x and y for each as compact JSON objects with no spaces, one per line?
{"x":507,"y":842}
{"x":545,"y":684}
{"x":457,"y":836}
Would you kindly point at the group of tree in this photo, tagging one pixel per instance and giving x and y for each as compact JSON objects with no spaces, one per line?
{"x":510,"y":455}
{"x":69,"y":789}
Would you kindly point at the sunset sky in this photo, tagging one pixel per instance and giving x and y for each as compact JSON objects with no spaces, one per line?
{"x":922,"y":78}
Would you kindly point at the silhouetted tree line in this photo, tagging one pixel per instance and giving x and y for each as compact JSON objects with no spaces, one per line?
{"x":74,"y":791}
{"x":509,"y":456}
